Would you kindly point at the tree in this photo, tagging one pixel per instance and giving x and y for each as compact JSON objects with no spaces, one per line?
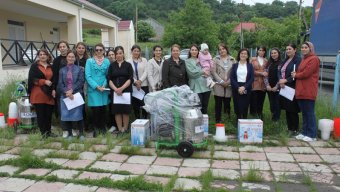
{"x":192,"y":24}
{"x":145,"y":31}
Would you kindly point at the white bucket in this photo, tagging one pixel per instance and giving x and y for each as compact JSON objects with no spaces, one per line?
{"x":326,"y":127}
{"x":220,"y":133}
{"x":2,"y":120}
{"x":13,"y":111}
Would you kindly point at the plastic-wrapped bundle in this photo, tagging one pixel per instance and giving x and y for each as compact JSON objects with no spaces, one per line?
{"x":175,"y":114}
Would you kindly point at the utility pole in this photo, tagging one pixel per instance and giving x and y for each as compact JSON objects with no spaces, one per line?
{"x":136,"y":39}
{"x":241,"y":34}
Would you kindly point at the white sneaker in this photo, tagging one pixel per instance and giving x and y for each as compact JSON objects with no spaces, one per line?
{"x":65,"y":134}
{"x":308,"y":139}
{"x":74,"y":133}
{"x":299,"y":136}
{"x":112,"y":129}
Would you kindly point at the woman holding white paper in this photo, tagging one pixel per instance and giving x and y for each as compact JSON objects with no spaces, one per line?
{"x":285,"y":79}
{"x":120,"y":76}
{"x":71,"y":81}
{"x":307,"y":77}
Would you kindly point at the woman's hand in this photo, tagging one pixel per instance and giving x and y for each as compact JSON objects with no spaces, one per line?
{"x":101,"y":89}
{"x":53,"y":93}
{"x":269,"y":88}
{"x":265,"y":74}
{"x":293,"y":74}
{"x":48,"y":83}
{"x":241,"y":90}
{"x":119,"y":91}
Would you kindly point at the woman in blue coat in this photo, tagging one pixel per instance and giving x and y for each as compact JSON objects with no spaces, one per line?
{"x":241,"y":79}
{"x":71,"y":81}
{"x":98,"y":97}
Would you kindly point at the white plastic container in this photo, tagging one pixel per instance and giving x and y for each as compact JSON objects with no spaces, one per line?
{"x":326,"y":126}
{"x":220,"y":133}
{"x":2,"y":120}
{"x":140,"y":129}
{"x":13,"y":111}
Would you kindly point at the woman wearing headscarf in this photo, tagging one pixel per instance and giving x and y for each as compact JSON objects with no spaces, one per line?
{"x":306,"y":90}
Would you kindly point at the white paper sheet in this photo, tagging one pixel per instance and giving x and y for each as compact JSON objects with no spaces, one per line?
{"x":287,"y":92}
{"x":137,"y":94}
{"x":76,"y":102}
{"x":125,"y":98}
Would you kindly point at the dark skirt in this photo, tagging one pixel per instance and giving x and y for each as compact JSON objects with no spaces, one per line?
{"x":288,"y":105}
{"x":121,"y":108}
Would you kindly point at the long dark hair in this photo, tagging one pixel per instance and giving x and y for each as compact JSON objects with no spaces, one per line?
{"x":86,"y":56}
{"x":239,"y":53}
{"x":271,"y":60}
{"x":264,"y":49}
{"x":137,"y":47}
{"x":293,"y":45}
{"x":154,"y":49}
{"x":119,"y":48}
{"x":193,"y":45}
{"x":224,"y":46}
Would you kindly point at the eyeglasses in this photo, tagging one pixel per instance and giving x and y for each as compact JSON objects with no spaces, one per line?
{"x":99,"y":50}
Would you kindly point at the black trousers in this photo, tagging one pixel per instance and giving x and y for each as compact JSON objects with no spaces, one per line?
{"x":204,"y":98}
{"x":219,"y":101}
{"x":99,"y":118}
{"x":292,"y":120}
{"x":44,"y":118}
{"x":256,"y":103}
{"x":241,"y":104}
{"x":68,"y":126}
{"x":274,"y":101}
{"x":137,"y":105}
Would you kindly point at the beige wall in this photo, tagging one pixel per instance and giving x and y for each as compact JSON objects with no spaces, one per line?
{"x":127,"y":40}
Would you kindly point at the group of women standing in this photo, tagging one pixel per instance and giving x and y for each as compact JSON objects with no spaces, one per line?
{"x":105,"y":79}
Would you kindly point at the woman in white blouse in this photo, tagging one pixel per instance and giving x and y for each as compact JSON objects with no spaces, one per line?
{"x":155,"y":69}
{"x":241,"y":79}
{"x":140,"y":81}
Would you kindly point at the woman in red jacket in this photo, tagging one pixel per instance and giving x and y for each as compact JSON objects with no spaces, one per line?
{"x":306,"y":90}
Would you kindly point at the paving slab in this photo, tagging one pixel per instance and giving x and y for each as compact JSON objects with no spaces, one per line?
{"x":99,"y":148}
{"x":43,"y":152}
{"x":295,"y":143}
{"x":307,"y":158}
{"x":265,"y":175}
{"x":78,"y":188}
{"x":76,"y":147}
{"x":285,"y":166}
{"x":116,"y":149}
{"x":191,"y":171}
{"x":115,"y":157}
{"x":225,"y":174}
{"x":303,"y":150}
{"x":335,"y":168}
{"x":4,"y":148}
{"x":168,"y":161}
{"x":260,"y":165}
{"x":289,"y":187}
{"x":201,"y":154}
{"x":253,"y":156}
{"x":162,"y":170}
{"x":20,"y":139}
{"x":118,"y":177}
{"x":320,"y":144}
{"x":138,"y":169}
{"x":77,"y":164}
{"x":196,"y":163}
{"x":331,"y":158}
{"x":226,"y":164}
{"x":54,"y":145}
{"x":327,"y":188}
{"x":67,"y":152}
{"x":109,"y":190}
{"x":292,"y":177}
{"x":148,"y":151}
{"x":138,"y":159}
{"x":36,"y":172}
{"x":43,"y":186}
{"x":107,"y":166}
{"x":327,"y":151}
{"x":8,"y":169}
{"x":5,"y":157}
{"x":222,"y":184}
{"x":256,"y":187}
{"x":226,"y":155}
{"x":64,"y":173}
{"x":312,"y":167}
{"x":15,"y":184}
{"x":283,"y":157}
{"x":251,"y":148}
{"x":187,"y":184}
{"x":87,"y":155}
{"x":276,"y":149}
{"x":158,"y":180}
{"x":321,"y":177}
{"x":58,"y":161}
{"x":93,"y":175}
{"x":16,"y":150}
{"x":225,"y":148}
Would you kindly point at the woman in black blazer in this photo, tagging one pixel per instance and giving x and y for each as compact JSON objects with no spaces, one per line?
{"x":290,"y":64}
{"x":241,"y":79}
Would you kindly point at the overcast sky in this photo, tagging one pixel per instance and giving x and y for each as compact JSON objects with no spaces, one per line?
{"x":252,"y":2}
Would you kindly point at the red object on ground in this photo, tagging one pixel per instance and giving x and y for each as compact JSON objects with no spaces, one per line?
{"x":336,"y":130}
{"x":10,"y":121}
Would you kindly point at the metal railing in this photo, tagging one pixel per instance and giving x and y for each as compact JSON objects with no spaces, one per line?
{"x":20,"y":52}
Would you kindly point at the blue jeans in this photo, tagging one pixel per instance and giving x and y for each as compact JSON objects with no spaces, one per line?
{"x":308,"y":117}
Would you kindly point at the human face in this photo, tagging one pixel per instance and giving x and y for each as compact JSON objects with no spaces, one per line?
{"x":244,"y":56}
{"x":305,"y":49}
{"x":63,"y":49}
{"x":80,"y":49}
{"x":193,"y":52}
{"x":42,"y":57}
{"x":111,"y":56}
{"x":274,"y":54}
{"x":158,"y":52}
{"x":290,"y":51}
{"x":205,"y":51}
{"x":222,"y":51}
{"x":119,"y":56}
{"x":70,"y":58}
{"x":135,"y":53}
{"x":260,"y":52}
{"x":99,"y":51}
{"x":175,"y":52}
